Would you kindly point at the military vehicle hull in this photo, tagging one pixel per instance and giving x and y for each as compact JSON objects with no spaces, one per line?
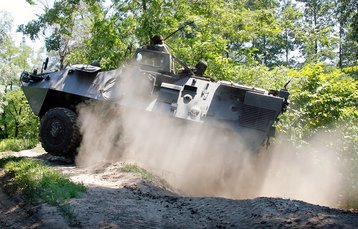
{"x":246,"y":111}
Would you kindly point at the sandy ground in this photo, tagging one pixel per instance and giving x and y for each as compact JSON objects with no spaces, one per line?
{"x":117,"y":199}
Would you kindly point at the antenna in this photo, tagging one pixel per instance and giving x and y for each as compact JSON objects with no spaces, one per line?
{"x":180,"y":28}
{"x":287,"y":83}
{"x":44,"y":65}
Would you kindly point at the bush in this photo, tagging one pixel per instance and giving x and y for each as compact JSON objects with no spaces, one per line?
{"x":38,"y":182}
{"x":133,"y":168}
{"x":17,"y":119}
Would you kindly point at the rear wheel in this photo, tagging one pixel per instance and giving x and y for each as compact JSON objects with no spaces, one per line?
{"x":59,"y":132}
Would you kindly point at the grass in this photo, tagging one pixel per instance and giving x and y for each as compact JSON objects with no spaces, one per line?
{"x":40,"y":184}
{"x":350,"y":201}
{"x":133,"y":168}
{"x":17,"y":144}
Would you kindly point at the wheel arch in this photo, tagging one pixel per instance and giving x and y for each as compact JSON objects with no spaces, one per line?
{"x":61,"y":99}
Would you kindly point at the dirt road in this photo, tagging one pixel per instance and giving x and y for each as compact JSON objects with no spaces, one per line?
{"x":118,"y":199}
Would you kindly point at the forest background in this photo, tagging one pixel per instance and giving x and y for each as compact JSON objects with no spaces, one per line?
{"x":262,"y":43}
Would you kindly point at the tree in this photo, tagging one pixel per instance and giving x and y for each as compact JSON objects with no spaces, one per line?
{"x":18,"y":121}
{"x":111,"y":36}
{"x":318,"y":30}
{"x":265,"y":43}
{"x":13,"y":60}
{"x":347,"y":17}
{"x":289,"y":21}
{"x":65,"y":25}
{"x":13,"y":107}
{"x":5,"y":25}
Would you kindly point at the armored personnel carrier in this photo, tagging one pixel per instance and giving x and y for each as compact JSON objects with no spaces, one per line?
{"x":161,"y":88}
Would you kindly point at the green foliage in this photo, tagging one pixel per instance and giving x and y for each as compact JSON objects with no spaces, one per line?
{"x":40,"y":183}
{"x":66,"y":23}
{"x":133,"y":168}
{"x":30,"y":2}
{"x":318,"y":26}
{"x":324,"y":101}
{"x":259,"y":43}
{"x":17,"y":119}
{"x":325,"y":97}
{"x":109,"y":42}
{"x":249,"y":32}
{"x":347,"y":18}
{"x":13,"y":60}
{"x":5,"y":25}
{"x":17,"y":145}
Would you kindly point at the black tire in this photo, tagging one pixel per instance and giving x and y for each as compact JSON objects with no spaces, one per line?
{"x":59,"y":132}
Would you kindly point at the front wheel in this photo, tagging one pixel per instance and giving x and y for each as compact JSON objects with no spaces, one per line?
{"x":59,"y":132}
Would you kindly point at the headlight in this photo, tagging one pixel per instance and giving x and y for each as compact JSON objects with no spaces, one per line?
{"x":194,"y":112}
{"x":187,"y":98}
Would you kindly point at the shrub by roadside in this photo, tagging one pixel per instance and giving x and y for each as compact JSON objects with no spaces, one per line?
{"x":17,"y":144}
{"x":133,"y":168}
{"x":40,"y":184}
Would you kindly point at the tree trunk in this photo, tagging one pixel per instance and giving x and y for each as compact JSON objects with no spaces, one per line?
{"x":62,"y":62}
{"x":264,"y":51}
{"x":146,"y":21}
{"x":340,"y":49}
{"x":16,"y":129}
{"x":4,"y":131}
{"x":287,"y":48}
{"x":256,"y":58}
{"x":315,"y":28}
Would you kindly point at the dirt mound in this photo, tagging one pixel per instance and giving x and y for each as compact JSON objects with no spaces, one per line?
{"x":135,"y":202}
{"x":116,"y":198}
{"x":129,"y":207}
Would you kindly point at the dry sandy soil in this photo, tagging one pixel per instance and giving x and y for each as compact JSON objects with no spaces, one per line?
{"x":117,"y":199}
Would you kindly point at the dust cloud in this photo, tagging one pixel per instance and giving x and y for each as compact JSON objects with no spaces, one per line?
{"x":312,"y":173}
{"x":198,"y":160}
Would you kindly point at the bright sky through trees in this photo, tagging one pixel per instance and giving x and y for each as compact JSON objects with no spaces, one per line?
{"x":22,"y":12}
